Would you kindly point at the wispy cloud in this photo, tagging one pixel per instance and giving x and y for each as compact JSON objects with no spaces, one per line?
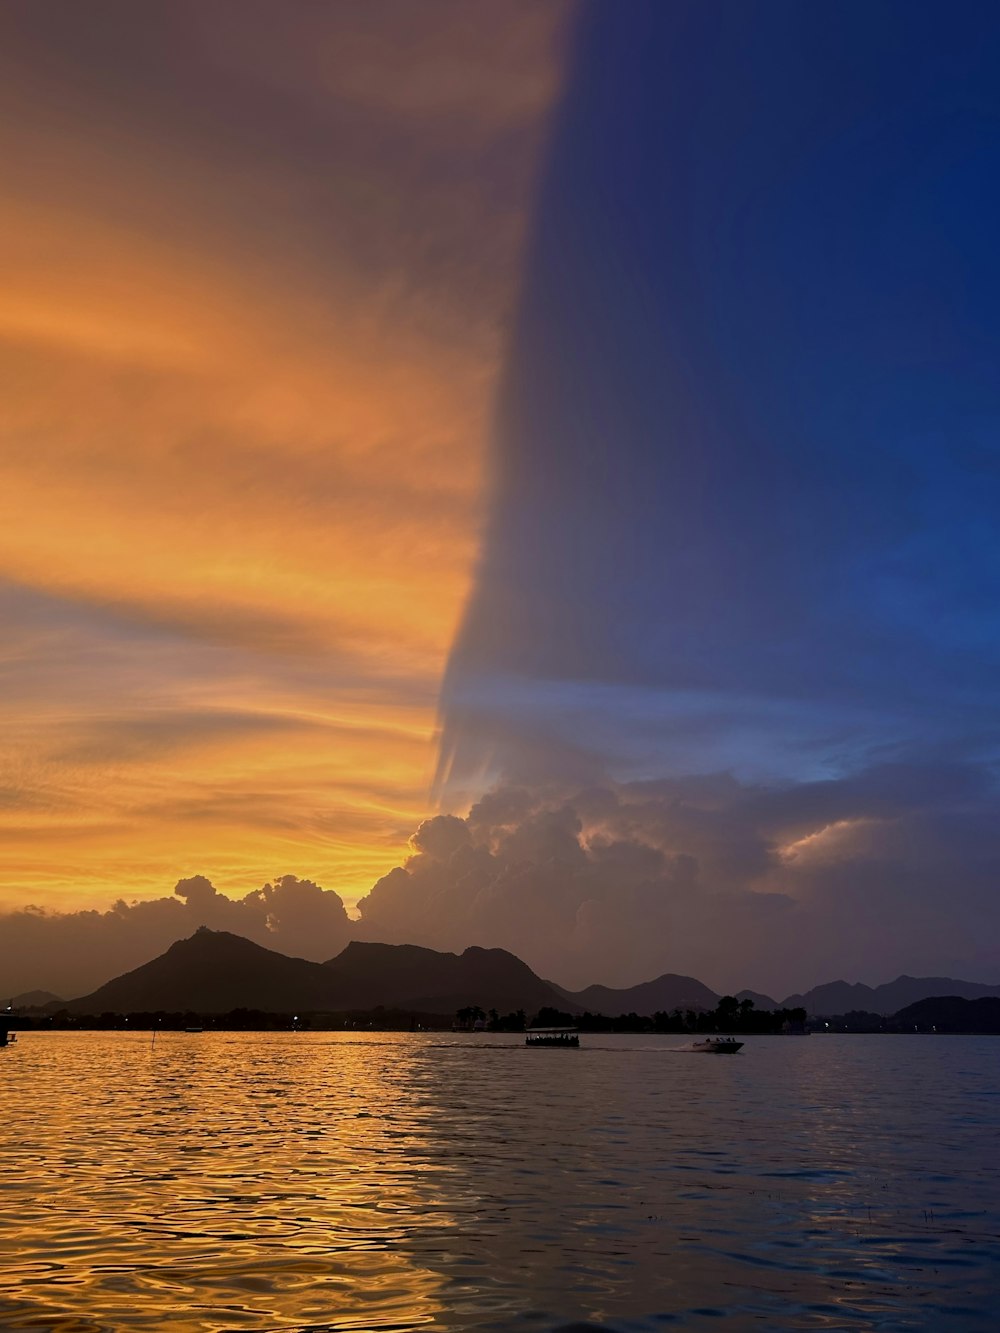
{"x":258,"y":265}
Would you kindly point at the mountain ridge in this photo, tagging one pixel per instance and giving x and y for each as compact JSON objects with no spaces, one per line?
{"x":840,"y":997}
{"x":216,"y":972}
{"x":662,"y":994}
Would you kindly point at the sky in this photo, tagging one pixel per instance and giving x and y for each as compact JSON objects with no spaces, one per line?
{"x":518,"y":475}
{"x":259,"y":260}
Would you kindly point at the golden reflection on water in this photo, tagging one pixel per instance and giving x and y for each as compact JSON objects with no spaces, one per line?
{"x":209,"y":1182}
{"x":322,"y":1182}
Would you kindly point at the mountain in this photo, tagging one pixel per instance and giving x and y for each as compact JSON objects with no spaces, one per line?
{"x":759,"y":1001}
{"x":34,"y":999}
{"x":950,"y":1013}
{"x":840,"y":997}
{"x":664,"y":994}
{"x":405,"y":976}
{"x":213,"y":972}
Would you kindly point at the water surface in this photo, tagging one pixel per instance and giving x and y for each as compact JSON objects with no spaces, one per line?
{"x":333,"y":1181}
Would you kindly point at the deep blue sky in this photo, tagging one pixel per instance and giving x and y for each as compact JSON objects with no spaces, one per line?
{"x":746,"y":455}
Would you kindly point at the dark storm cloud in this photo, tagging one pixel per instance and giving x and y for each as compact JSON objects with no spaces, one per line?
{"x":891,"y":869}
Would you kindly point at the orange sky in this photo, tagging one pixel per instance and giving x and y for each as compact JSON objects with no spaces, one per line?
{"x":259,"y":261}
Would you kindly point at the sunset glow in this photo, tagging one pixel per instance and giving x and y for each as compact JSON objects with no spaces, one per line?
{"x":252,"y":321}
{"x":499,"y":578}
{"x":522,"y":472}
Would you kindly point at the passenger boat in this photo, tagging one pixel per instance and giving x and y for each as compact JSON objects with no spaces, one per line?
{"x":716,"y":1046}
{"x":552,"y":1037}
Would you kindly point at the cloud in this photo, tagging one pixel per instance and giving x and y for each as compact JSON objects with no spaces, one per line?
{"x":774,"y":886}
{"x":260,"y":265}
{"x":132,"y":754}
{"x":72,"y":953}
{"x":770,"y":886}
{"x":730,"y":644}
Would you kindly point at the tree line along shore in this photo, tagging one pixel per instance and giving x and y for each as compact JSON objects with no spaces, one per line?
{"x":940,"y":1015}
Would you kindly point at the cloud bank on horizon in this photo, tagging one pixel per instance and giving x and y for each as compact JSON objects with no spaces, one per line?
{"x":772,"y":887}
{"x":72,"y":953}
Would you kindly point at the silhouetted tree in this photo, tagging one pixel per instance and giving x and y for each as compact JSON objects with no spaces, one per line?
{"x":547,"y":1017}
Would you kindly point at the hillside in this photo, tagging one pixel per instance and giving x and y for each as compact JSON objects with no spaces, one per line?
{"x":951,"y":1013}
{"x":661,"y":995}
{"x":841,"y":997}
{"x":212,"y":972}
{"x":406,"y":976}
{"x":760,"y":1001}
{"x":215,"y":972}
{"x":34,"y":999}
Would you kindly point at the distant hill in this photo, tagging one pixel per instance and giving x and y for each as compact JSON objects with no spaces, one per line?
{"x":34,"y":999}
{"x":662,"y":995}
{"x":408,"y":977}
{"x":212,"y":972}
{"x":951,"y":1013}
{"x":215,"y":972}
{"x":760,"y":1001}
{"x":841,"y":997}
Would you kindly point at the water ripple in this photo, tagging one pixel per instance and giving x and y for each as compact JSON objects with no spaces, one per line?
{"x":267,"y":1182}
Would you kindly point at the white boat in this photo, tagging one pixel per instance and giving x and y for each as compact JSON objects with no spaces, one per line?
{"x":715,"y":1046}
{"x":551,"y":1037}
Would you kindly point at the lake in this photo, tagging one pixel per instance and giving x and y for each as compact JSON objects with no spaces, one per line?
{"x":334,"y":1181}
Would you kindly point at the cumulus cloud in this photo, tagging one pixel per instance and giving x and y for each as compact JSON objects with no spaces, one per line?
{"x":776,"y":887}
{"x":71,"y":953}
{"x":773,"y":887}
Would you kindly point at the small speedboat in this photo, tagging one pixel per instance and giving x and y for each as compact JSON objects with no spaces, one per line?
{"x":716,"y":1046}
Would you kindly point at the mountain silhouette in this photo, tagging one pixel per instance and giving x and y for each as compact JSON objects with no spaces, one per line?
{"x":951,"y":1013}
{"x":214,"y":972}
{"x":841,"y":997}
{"x":661,"y":995}
{"x":34,"y":999}
{"x":759,"y":1001}
{"x":406,"y":976}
